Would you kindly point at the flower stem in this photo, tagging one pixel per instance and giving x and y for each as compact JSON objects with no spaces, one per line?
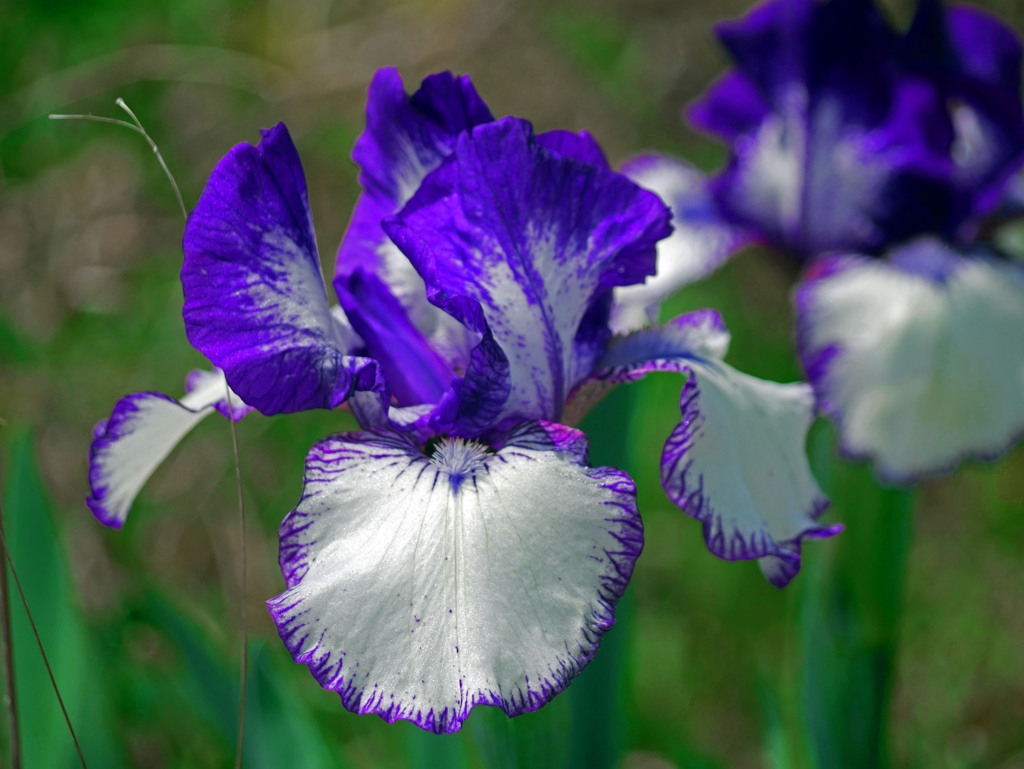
{"x":245,"y":583}
{"x":850,"y":616}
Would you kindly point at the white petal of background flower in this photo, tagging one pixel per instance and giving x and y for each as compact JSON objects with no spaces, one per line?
{"x":700,"y":241}
{"x":924,"y":373}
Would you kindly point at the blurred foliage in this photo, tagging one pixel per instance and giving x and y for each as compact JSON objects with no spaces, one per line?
{"x":708,"y":667}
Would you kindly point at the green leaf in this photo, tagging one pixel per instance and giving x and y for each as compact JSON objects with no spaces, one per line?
{"x":278,"y":722}
{"x":37,"y":555}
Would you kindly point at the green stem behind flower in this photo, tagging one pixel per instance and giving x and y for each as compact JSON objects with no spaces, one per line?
{"x":850,"y":609}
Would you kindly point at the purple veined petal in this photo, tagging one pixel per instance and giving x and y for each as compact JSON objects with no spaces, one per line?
{"x":142,"y":430}
{"x":919,"y":359}
{"x":415,"y":372}
{"x":846,"y":149}
{"x":419,"y":587}
{"x":810,"y":184}
{"x":406,"y":137}
{"x":578,"y":146}
{"x":520,"y":242}
{"x":700,"y":242}
{"x":737,"y":460}
{"x":255,"y":301}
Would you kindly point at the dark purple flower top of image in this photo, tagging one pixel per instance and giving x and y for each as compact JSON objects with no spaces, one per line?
{"x":459,"y":549}
{"x":846,"y":135}
{"x":876,"y":158}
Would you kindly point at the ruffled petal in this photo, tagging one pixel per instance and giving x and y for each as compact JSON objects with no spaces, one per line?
{"x":919,"y":359}
{"x":736,"y":461}
{"x":700,"y":241}
{"x":522,"y":243}
{"x":140,"y":433}
{"x":580,"y":146}
{"x":407,"y":137}
{"x":255,"y":301}
{"x":419,"y":587}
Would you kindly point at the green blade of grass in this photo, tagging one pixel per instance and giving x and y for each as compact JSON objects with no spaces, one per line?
{"x":278,"y":719}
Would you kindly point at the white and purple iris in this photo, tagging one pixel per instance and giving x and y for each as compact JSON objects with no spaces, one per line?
{"x":459,"y":550}
{"x":879,"y":159}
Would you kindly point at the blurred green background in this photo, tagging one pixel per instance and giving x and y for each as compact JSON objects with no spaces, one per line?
{"x":710,"y":667}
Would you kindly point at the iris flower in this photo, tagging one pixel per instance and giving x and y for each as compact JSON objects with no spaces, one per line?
{"x":880,"y":160}
{"x":459,"y":550}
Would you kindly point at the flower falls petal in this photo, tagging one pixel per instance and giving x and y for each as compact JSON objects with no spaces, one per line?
{"x":919,"y":359}
{"x":140,"y":433}
{"x":420,"y":587}
{"x":737,"y":460}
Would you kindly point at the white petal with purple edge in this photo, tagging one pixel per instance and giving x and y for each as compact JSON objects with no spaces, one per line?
{"x":920,"y":370}
{"x":140,"y":433}
{"x":420,"y":587}
{"x":700,"y":241}
{"x":737,"y":460}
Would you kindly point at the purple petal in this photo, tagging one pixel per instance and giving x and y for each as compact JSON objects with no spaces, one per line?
{"x":700,"y":241}
{"x":414,"y":371}
{"x":406,"y":137}
{"x":836,"y":145}
{"x":419,"y":587}
{"x":255,"y":302}
{"x":580,"y":146}
{"x":732,"y":107}
{"x":974,"y":60}
{"x":142,"y":430}
{"x":919,"y":359}
{"x":841,"y":51}
{"x":809,"y":183}
{"x":736,"y":461}
{"x":520,"y":242}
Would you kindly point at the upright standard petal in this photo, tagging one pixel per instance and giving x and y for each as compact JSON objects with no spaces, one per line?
{"x":522,"y":243}
{"x":919,"y":359}
{"x":420,"y":586}
{"x":140,"y":433}
{"x":737,"y":459}
{"x":835,"y":146}
{"x":702,"y":239}
{"x":255,"y":301}
{"x":407,"y":137}
{"x":974,"y":62}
